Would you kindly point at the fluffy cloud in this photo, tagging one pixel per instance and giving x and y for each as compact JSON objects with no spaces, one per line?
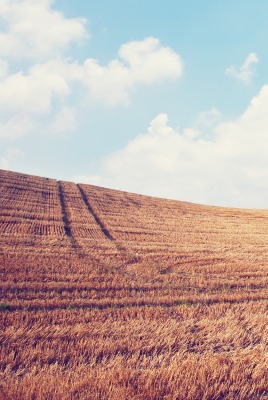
{"x":10,"y":156}
{"x":208,"y":118}
{"x":31,"y":30}
{"x":34,"y":31}
{"x":246,"y":72}
{"x":16,"y":126}
{"x":32,"y":92}
{"x":3,"y":69}
{"x":32,"y":95}
{"x":65,"y":121}
{"x":140,"y":62}
{"x":149,"y":62}
{"x":229,"y":168}
{"x":88,"y":179}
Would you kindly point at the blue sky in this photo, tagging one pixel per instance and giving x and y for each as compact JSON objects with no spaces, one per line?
{"x":166,"y":98}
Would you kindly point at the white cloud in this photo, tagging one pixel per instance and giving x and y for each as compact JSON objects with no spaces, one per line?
{"x":11,"y":155}
{"x":230,"y":168}
{"x":251,"y":126}
{"x":17,"y":126}
{"x":140,"y":62}
{"x":87,"y":179}
{"x":246,"y":72}
{"x":34,"y":31}
{"x":149,"y":62}
{"x":208,"y":118}
{"x":3,"y":69}
{"x":33,"y":92}
{"x":29,"y":100}
{"x":37,"y":79}
{"x":65,"y":121}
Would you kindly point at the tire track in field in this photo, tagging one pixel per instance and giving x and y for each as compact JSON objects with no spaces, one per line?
{"x":76,"y":245}
{"x":95,"y":216}
{"x":120,"y":247}
{"x":66,"y":221}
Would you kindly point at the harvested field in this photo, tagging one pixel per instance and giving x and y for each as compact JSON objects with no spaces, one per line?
{"x":106,"y":294}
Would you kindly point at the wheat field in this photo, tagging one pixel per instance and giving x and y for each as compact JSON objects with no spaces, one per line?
{"x":111,"y":295}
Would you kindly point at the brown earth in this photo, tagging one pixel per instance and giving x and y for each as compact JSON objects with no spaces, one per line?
{"x":106,"y":294}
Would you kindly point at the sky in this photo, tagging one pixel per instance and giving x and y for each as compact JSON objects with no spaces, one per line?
{"x":164,"y":98}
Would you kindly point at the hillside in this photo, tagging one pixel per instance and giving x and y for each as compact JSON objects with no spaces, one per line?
{"x":106,"y":294}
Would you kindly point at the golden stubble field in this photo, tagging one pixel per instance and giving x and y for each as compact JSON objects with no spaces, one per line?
{"x":112,"y":295}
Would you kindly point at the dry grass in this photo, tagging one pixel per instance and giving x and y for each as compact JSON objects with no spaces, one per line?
{"x":110,"y":295}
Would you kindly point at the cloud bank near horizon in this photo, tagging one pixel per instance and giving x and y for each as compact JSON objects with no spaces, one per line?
{"x":229,"y":168}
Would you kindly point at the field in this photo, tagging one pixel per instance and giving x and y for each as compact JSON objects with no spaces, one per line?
{"x":110,"y":295}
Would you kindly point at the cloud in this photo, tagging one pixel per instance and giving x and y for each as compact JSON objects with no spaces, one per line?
{"x":37,"y":79}
{"x":33,"y":92}
{"x":16,"y":126}
{"x":149,"y":62}
{"x":65,"y":121}
{"x":3,"y":69}
{"x":11,"y":155}
{"x":32,"y":30}
{"x":87,"y":179}
{"x":32,"y":95}
{"x":140,"y":62}
{"x":29,"y":100}
{"x":246,"y":72}
{"x":228,"y":168}
{"x":208,"y":118}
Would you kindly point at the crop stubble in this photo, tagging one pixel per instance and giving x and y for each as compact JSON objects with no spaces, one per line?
{"x":107,"y":294}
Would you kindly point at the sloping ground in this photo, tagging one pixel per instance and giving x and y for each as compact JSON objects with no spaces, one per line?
{"x":111,"y":295}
